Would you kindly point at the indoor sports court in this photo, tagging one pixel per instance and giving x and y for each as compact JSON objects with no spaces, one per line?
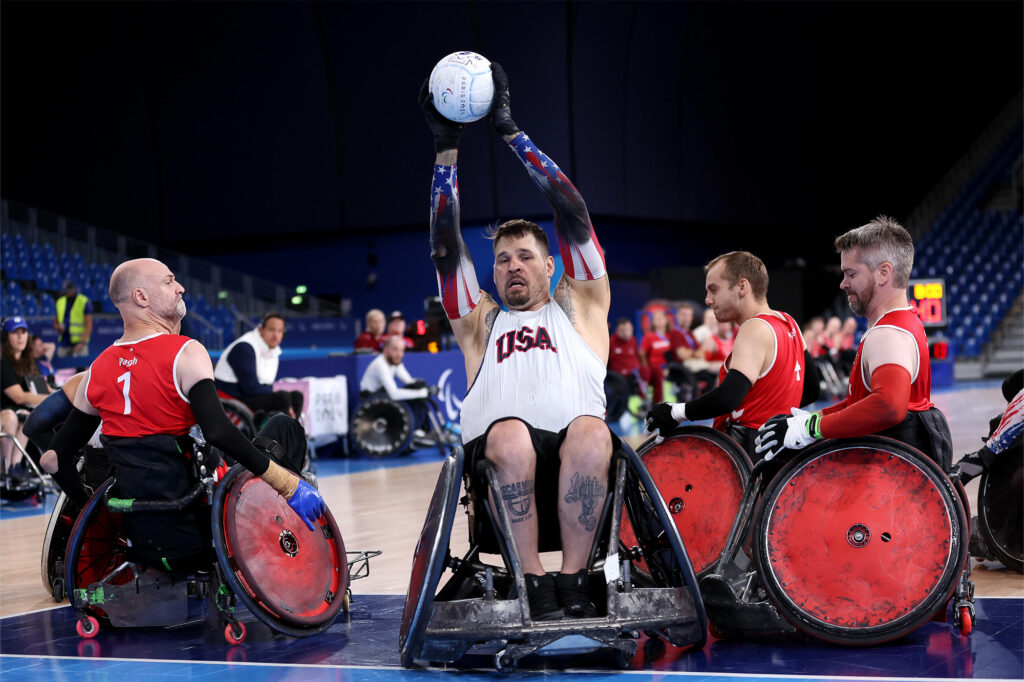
{"x":242,"y":187}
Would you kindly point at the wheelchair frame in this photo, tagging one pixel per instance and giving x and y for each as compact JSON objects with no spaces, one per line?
{"x":493,"y":599}
{"x":114,"y":589}
{"x":741,"y":598}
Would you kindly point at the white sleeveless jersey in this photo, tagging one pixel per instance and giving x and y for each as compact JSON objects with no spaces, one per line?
{"x":536,"y":367}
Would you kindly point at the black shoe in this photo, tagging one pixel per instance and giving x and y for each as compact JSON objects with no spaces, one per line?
{"x":543,"y":597}
{"x":574,"y":594}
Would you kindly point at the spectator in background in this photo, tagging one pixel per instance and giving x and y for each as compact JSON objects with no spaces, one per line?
{"x":623,"y":366}
{"x":396,"y":327}
{"x":813,"y":331}
{"x":846,"y":345}
{"x":380,"y":375}
{"x":830,"y":337}
{"x":73,"y":322}
{"x":248,"y":367}
{"x":718,"y":346}
{"x":684,"y":348}
{"x":707,"y":327}
{"x":372,"y":338}
{"x":653,"y":348}
{"x":18,"y":390}
{"x":42,"y":353}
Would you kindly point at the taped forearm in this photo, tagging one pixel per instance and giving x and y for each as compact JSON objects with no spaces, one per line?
{"x":456,"y":276}
{"x":582,"y":256}
{"x":886,"y":406}
{"x":723,"y":399}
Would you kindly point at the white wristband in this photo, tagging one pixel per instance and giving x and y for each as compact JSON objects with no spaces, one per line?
{"x":679,"y":411}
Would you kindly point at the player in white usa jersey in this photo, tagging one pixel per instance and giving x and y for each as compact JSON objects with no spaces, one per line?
{"x":535,"y":405}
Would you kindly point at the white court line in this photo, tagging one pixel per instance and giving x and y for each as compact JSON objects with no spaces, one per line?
{"x":659,"y":673}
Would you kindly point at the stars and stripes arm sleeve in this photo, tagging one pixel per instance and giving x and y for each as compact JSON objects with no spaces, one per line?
{"x":456,"y":276}
{"x":1010,"y":426}
{"x":582,"y":255}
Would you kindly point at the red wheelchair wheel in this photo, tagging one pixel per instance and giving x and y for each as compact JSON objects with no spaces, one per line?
{"x":860,"y":541}
{"x":700,"y":473}
{"x":95,"y":547}
{"x":289,"y":576}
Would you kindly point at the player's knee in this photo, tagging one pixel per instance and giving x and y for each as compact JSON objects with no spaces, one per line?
{"x":509,"y":445}
{"x":9,"y":421}
{"x":587,"y":440}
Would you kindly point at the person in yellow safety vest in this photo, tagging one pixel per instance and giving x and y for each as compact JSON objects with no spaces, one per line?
{"x":74,"y":328}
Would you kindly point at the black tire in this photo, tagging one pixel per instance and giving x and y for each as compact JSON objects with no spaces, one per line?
{"x":381,"y":427}
{"x":1000,"y":517}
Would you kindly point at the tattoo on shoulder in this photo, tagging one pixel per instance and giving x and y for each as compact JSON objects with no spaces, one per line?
{"x":563,"y":297}
{"x":492,"y":314}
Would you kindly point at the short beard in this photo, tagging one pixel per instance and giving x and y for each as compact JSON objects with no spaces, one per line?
{"x":517,"y":300}
{"x":859,"y":305}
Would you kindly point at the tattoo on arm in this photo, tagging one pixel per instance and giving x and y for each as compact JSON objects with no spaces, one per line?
{"x":563,"y":297}
{"x":588,"y":491}
{"x":518,"y":497}
{"x":492,"y":314}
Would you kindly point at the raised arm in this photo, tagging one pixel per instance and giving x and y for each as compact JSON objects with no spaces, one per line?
{"x":466,"y":305}
{"x":582,"y":255}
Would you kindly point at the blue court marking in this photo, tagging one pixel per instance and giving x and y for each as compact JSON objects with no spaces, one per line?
{"x":28,"y":669}
{"x":366,"y":639}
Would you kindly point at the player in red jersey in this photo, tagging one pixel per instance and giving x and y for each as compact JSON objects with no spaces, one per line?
{"x":149,"y":388}
{"x":766,"y":371}
{"x":890,"y":385}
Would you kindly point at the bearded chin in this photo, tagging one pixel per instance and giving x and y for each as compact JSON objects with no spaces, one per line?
{"x":517,"y":299}
{"x":179,"y":309}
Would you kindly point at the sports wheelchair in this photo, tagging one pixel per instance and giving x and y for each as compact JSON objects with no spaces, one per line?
{"x":35,"y":483}
{"x":647,"y":583}
{"x":853,"y":541}
{"x":999,"y":526}
{"x":382,"y":427}
{"x":292,"y":579}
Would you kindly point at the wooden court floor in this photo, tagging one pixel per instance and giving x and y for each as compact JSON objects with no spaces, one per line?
{"x":384,"y":508}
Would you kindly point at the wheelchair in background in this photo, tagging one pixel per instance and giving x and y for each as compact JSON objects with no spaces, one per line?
{"x":646,"y":584}
{"x":382,"y":427}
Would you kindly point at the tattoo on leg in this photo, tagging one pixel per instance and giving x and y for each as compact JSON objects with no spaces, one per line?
{"x":588,"y":492}
{"x":517,"y":498}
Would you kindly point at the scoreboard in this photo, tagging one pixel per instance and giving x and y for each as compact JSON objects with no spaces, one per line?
{"x":928,"y":298}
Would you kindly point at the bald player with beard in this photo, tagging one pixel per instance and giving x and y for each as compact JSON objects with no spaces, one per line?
{"x":149,"y":388}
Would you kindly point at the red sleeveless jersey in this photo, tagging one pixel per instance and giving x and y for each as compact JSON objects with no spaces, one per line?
{"x":134,"y":388}
{"x":781,"y":386}
{"x":906,"y":320}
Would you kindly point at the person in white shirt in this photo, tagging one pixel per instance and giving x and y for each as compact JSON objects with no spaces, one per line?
{"x":380,"y":375}
{"x":247,"y":368}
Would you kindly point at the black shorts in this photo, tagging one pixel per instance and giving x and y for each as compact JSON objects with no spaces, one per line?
{"x":546,"y":444}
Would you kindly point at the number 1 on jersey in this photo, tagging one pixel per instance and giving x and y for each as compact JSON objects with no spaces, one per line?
{"x":127,"y":379}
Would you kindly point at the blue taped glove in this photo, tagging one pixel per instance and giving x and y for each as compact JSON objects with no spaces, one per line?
{"x":307,"y":503}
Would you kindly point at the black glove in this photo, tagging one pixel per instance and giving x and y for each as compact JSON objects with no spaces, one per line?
{"x":446,"y":133}
{"x":660,"y":417}
{"x":418,"y":383}
{"x":433,"y":390}
{"x":501,"y":115}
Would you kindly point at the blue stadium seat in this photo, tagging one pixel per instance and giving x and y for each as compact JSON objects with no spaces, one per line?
{"x":47,"y":306}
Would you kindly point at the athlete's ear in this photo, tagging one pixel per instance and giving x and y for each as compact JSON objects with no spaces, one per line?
{"x":140,"y":298}
{"x":549,"y":265}
{"x":883,"y":272}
